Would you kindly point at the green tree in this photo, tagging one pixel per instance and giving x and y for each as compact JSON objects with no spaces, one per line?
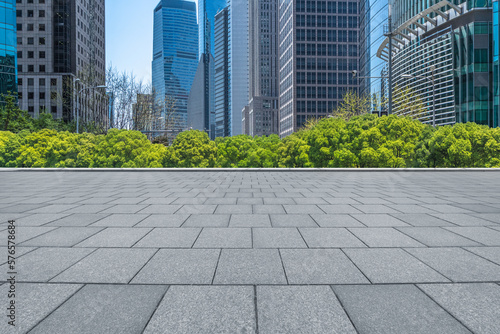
{"x":191,"y":148}
{"x":11,"y":117}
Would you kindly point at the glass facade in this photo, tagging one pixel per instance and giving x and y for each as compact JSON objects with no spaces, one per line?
{"x":175,"y":54}
{"x":8,"y":49}
{"x":222,"y":75}
{"x":207,"y":9}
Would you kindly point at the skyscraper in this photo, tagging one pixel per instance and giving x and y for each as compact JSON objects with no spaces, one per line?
{"x":222,"y":75}
{"x":318,"y":51}
{"x":61,"y":51}
{"x":175,"y":54}
{"x":8,"y":47}
{"x":261,"y":116}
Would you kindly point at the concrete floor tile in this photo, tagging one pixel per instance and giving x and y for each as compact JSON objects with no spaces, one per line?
{"x":170,"y":238}
{"x":437,"y":237}
{"x":166,"y":220}
{"x":254,"y":220}
{"x":421,"y":219}
{"x":330,"y":238}
{"x":196,"y":209}
{"x":234,"y":209}
{"x":384,"y":237}
{"x":207,"y":221}
{"x":489,"y":253}
{"x":480,"y":234}
{"x":299,"y":220}
{"x":340,"y":220}
{"x":268,"y":209}
{"x":379,"y":220}
{"x":224,"y":238}
{"x":78,"y":220}
{"x":462,"y":219}
{"x":115,"y":237}
{"x":39,"y":219}
{"x":302,"y":209}
{"x":62,"y":237}
{"x":277,"y":238}
{"x":120,"y":220}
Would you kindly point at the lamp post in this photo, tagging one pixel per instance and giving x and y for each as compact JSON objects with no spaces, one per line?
{"x":78,"y":103}
{"x":432,"y":81}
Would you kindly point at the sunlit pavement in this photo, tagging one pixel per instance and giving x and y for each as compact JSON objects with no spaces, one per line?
{"x":248,"y":252}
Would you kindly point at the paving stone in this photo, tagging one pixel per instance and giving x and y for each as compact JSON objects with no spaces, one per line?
{"x":379,"y":220}
{"x":420,"y":220}
{"x":162,"y":221}
{"x":190,"y":200}
{"x":122,"y":208}
{"x":386,"y":309}
{"x":445,"y":208}
{"x":78,"y":220}
{"x":271,"y":209}
{"x":113,"y":309}
{"x":107,"y":265}
{"x":278,"y":201}
{"x":217,"y":200}
{"x":373,"y":209}
{"x":161,"y":200}
{"x":56,"y":208}
{"x":89,"y":208}
{"x":437,"y":237}
{"x":341,"y":200}
{"x":224,"y":238}
{"x":493,"y":217}
{"x":402,"y":200}
{"x":338,"y":209}
{"x":293,"y":221}
{"x":250,"y":221}
{"x":477,"y":306}
{"x":179,"y":266}
{"x":411,"y":208}
{"x":300,"y":309}
{"x":20,"y":208}
{"x":277,"y":238}
{"x":43,"y":264}
{"x":329,"y":238}
{"x":196,"y":209}
{"x":34,"y":302}
{"x":250,"y":201}
{"x":392,"y":265}
{"x":320,"y":266}
{"x":340,"y":220}
{"x":115,"y":237}
{"x":161,"y":209}
{"x":384,"y":237}
{"x":205,"y":309}
{"x":490,"y":253}
{"x":234,"y":209}
{"x":62,"y":237}
{"x":128,"y":200}
{"x":170,"y":238}
{"x":479,"y":208}
{"x":311,"y":200}
{"x":458,"y":264}
{"x":302,"y":209}
{"x":480,"y":234}
{"x":207,"y":221}
{"x":39,"y":219}
{"x":250,"y":266}
{"x":462,"y":219}
{"x":120,"y":220}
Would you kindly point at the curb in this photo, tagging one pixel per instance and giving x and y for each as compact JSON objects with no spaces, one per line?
{"x":249,"y":170}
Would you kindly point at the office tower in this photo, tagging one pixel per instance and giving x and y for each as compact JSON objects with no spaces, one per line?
{"x":443,"y":52}
{"x":61,"y":53}
{"x":318,"y":52}
{"x":238,"y":61}
{"x":8,"y":80}
{"x":261,"y":116}
{"x":373,"y":18}
{"x":207,"y":9}
{"x":222,"y":75}
{"x":175,"y":58}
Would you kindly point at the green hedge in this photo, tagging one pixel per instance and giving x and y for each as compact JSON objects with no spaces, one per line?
{"x":365,"y":141}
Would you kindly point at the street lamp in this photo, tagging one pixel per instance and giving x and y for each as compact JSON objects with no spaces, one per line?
{"x":78,"y":102}
{"x":432,"y":81}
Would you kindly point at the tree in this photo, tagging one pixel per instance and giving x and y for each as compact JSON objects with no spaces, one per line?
{"x":354,"y":104}
{"x":408,"y":103}
{"x":12,"y":118}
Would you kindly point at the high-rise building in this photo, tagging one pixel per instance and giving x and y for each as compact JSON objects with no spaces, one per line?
{"x":261,"y":116}
{"x":8,"y":59}
{"x":222,"y":75}
{"x":175,"y":55}
{"x":61,"y":53}
{"x":443,"y":51}
{"x":318,"y":51}
{"x":207,"y":9}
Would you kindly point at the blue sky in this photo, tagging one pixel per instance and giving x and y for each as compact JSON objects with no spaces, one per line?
{"x":129,"y":35}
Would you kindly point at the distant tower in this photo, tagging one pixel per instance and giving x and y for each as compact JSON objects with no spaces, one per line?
{"x":8,"y":59}
{"x":222,"y":75}
{"x":175,"y":55}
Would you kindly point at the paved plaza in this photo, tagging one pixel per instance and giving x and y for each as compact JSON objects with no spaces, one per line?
{"x":252,"y":251}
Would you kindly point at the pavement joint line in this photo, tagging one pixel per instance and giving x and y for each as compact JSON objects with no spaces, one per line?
{"x":252,"y":284}
{"x":364,"y":243}
{"x":443,"y":308}
{"x":135,"y":243}
{"x":145,"y":263}
{"x":354,"y":264}
{"x":344,"y":309}
{"x":255,"y":305}
{"x":156,"y":308}
{"x":482,"y":257}
{"x":83,"y":258}
{"x":351,"y":215}
{"x":197,"y":237}
{"x":298,"y":230}
{"x":184,"y":222}
{"x":283,"y":266}
{"x":427,"y":265}
{"x":482,"y":244}
{"x":216,"y":266}
{"x":314,"y":220}
{"x":147,"y":216}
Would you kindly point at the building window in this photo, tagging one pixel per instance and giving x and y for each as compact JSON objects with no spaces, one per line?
{"x":31,"y":54}
{"x":42,"y":95}
{"x":31,"y":41}
{"x":19,"y":68}
{"x":31,"y":68}
{"x":41,"y":41}
{"x":19,"y":54}
{"x":31,"y":81}
{"x":53,"y":82}
{"x":41,"y":27}
{"x":31,"y":95}
{"x":41,"y":82}
{"x":19,"y":27}
{"x":41,"y":54}
{"x":20,"y":82}
{"x":41,"y":13}
{"x":30,"y":27}
{"x":19,"y":13}
{"x":30,"y":13}
{"x":42,"y":68}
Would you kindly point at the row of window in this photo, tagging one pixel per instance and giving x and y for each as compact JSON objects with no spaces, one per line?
{"x":332,"y":7}
{"x":31,"y":41}
{"x":31,"y":54}
{"x":340,"y":21}
{"x":30,"y":1}
{"x":30,"y":13}
{"x":41,"y":95}
{"x":31,"y":27}
{"x":31,"y":68}
{"x":41,"y":82}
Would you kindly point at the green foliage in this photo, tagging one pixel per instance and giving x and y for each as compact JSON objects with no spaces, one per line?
{"x":11,"y":117}
{"x":363,"y":141}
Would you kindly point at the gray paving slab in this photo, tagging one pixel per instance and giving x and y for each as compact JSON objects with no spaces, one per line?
{"x":207,"y":221}
{"x":386,"y":309}
{"x":479,"y":208}
{"x":463,"y":219}
{"x":196,"y":209}
{"x":161,"y":200}
{"x":320,"y":266}
{"x":55,"y":208}
{"x":234,"y":209}
{"x":179,"y":266}
{"x":24,"y":233}
{"x":34,"y":302}
{"x":120,"y":220}
{"x":160,"y":209}
{"x":379,"y":220}
{"x":489,"y":253}
{"x":78,"y":220}
{"x":89,"y":208}
{"x":303,"y":209}
{"x":437,"y":237}
{"x":421,"y":219}
{"x":480,"y":234}
{"x":43,"y":264}
{"x":205,"y":309}
{"x":330,"y":238}
{"x":170,"y":238}
{"x":115,"y":237}
{"x":254,"y":220}
{"x":268,"y":209}
{"x":493,"y":217}
{"x":278,"y":201}
{"x":411,"y":208}
{"x":224,"y":238}
{"x":62,"y":237}
{"x":338,"y":209}
{"x":217,"y":201}
{"x":446,"y":208}
{"x":126,"y":208}
{"x":277,"y":238}
{"x":250,"y":201}
{"x":384,"y":237}
{"x":296,"y":220}
{"x":250,"y":266}
{"x":39,"y":219}
{"x":107,"y":265}
{"x":374,"y":208}
{"x":190,"y":200}
{"x":334,"y":220}
{"x":458,"y":264}
{"x":104,"y":309}
{"x":477,"y":306}
{"x":20,"y":208}
{"x":301,"y":309}
{"x":159,"y":220}
{"x":392,"y":265}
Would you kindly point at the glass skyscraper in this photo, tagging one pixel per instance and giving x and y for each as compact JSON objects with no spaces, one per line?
{"x":8,"y":59}
{"x":207,"y":9}
{"x":175,"y":54}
